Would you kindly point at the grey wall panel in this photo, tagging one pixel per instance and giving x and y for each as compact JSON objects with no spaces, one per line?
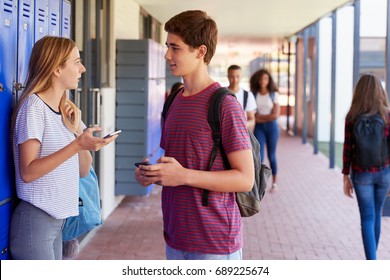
{"x":136,"y":71}
{"x":130,"y":97}
{"x":121,"y":188}
{"x":131,"y":123}
{"x":132,"y":136}
{"x":132,"y":45}
{"x":134,"y":58}
{"x":130,"y":110}
{"x":139,"y":102}
{"x":130,"y":84}
{"x":135,"y":149}
{"x":127,"y":161}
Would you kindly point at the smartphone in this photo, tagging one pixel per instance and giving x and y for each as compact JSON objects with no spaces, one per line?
{"x":142,"y":163}
{"x":112,"y":134}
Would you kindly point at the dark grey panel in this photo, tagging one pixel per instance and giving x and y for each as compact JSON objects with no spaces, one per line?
{"x":131,"y":189}
{"x":131,"y":84}
{"x":132,"y":71}
{"x":130,"y":110}
{"x":129,"y":149}
{"x":132,"y":45}
{"x":131,"y":58}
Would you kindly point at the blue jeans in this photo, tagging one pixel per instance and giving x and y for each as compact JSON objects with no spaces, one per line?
{"x":371,"y":190}
{"x":173,"y":254}
{"x":268,"y":134}
{"x":34,"y":234}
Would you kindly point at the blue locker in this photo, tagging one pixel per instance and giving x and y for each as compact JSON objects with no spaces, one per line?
{"x":8,"y":41}
{"x":8,"y":31}
{"x":54,"y":17}
{"x":25,"y":38}
{"x":65,"y":22}
{"x":5,"y":214}
{"x":41,"y":27}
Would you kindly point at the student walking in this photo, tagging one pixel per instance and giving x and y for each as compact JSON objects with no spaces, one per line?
{"x":51,"y":151}
{"x":246,"y":99}
{"x":193,"y":230}
{"x":266,"y":130}
{"x":366,"y":170}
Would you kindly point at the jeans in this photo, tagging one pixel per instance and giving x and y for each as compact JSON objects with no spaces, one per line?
{"x":173,"y":254}
{"x":371,"y":190}
{"x":34,"y":234}
{"x":268,"y":134}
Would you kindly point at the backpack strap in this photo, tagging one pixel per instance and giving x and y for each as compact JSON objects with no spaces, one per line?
{"x":214,"y":120}
{"x":168,"y":102}
{"x":245,"y":99}
{"x":272,"y":96}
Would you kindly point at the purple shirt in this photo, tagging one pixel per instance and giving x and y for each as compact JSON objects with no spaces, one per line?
{"x":186,"y":136}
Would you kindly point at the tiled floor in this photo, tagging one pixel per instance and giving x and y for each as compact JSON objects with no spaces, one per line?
{"x":308,"y":218}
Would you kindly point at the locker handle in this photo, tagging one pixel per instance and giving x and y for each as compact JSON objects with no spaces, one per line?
{"x":96,"y":102}
{"x":18,"y":86}
{"x":1,"y":87}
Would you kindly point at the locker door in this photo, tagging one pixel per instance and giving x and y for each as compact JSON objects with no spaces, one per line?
{"x":41,"y":19}
{"x":8,"y":31}
{"x":25,"y":40}
{"x":8,"y":41}
{"x":54,"y":17}
{"x":65,"y":22}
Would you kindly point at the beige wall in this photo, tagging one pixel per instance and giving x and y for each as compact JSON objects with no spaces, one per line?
{"x":126,"y":19}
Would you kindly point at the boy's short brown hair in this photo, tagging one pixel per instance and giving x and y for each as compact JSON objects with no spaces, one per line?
{"x":195,"y":28}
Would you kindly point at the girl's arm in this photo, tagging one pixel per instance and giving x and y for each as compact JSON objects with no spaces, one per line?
{"x":32,"y":167}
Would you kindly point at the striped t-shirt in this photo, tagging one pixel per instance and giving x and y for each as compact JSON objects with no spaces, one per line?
{"x":186,"y":136}
{"x":57,"y":192}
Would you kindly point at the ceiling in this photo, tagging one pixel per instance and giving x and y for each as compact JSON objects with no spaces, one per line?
{"x":247,"y":27}
{"x":248,"y":18}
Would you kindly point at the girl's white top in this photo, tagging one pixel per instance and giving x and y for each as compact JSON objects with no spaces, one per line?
{"x":57,"y":192}
{"x":265,"y":104}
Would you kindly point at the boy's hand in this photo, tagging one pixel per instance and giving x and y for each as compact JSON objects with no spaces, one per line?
{"x":167,"y":172}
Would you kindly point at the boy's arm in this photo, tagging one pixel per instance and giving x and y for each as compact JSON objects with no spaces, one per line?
{"x":250,"y":123}
{"x":169,"y":172}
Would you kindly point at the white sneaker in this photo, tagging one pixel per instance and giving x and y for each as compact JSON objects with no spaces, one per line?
{"x":274,"y":187}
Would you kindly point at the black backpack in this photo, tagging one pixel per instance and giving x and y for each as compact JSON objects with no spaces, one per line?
{"x":245,"y":99}
{"x":248,"y":202}
{"x":370,"y":141}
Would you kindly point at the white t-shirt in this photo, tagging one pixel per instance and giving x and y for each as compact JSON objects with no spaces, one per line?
{"x":251,"y":103}
{"x":57,"y":192}
{"x":265,"y":104}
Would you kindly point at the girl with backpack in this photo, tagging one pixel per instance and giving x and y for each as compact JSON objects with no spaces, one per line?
{"x":365,"y":157}
{"x":266,"y":129}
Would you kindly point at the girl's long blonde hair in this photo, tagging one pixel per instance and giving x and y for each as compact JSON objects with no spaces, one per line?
{"x":369,"y":98}
{"x":48,"y":54}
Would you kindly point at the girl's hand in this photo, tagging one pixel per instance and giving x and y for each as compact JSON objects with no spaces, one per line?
{"x":348,"y":189}
{"x":87,"y":141}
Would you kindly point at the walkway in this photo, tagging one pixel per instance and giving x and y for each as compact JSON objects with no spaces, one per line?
{"x":308,"y":218}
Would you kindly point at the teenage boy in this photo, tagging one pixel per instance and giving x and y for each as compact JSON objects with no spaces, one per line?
{"x":246,"y":99}
{"x":191,"y":230}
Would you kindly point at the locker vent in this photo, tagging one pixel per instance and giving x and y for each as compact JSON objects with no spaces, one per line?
{"x":8,"y":6}
{"x":26,"y":10}
{"x":53,"y":19}
{"x":66,"y":23}
{"x":41,"y":15}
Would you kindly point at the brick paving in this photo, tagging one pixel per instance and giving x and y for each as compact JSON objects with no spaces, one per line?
{"x":309,"y":218}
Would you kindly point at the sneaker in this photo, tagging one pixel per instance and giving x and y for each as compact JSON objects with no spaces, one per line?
{"x":273,"y":188}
